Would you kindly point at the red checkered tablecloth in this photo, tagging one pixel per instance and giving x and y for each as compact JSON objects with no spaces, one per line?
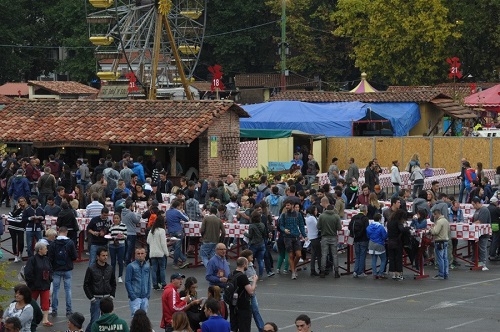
{"x":323,"y":178}
{"x":467,"y":231}
{"x":348,"y":213}
{"x":192,"y":228}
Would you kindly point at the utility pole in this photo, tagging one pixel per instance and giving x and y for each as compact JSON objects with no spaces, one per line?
{"x":283,"y":46}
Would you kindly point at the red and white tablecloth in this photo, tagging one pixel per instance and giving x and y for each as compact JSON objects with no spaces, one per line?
{"x":467,"y":231}
{"x":192,"y":228}
{"x":322,"y":178}
{"x":348,"y":213}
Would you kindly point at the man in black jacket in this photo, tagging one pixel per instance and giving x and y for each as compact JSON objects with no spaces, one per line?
{"x":357,"y":229}
{"x":62,"y":253}
{"x":33,"y":216}
{"x":99,"y":282}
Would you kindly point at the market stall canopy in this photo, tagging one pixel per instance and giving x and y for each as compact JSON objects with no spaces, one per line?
{"x":363,"y":86}
{"x":329,"y":119}
{"x":488,"y":99}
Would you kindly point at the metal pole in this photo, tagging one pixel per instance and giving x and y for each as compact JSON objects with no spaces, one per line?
{"x":178,"y":62}
{"x":156,"y":56}
{"x":283,"y":45}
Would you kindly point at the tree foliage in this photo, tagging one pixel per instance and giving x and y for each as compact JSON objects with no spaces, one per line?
{"x":314,"y":50}
{"x":402,"y":41}
{"x":238,"y":36}
{"x":479,"y":45}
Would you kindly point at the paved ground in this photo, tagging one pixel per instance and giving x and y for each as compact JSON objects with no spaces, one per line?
{"x":468,"y":300}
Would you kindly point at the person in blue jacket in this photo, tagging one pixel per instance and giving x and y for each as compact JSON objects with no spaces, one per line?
{"x":215,"y":322}
{"x":376,"y":246}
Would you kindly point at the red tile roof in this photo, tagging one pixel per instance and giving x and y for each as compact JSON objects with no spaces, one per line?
{"x":272,"y":80}
{"x":116,"y":121}
{"x":370,"y":97}
{"x":456,"y":90}
{"x":12,"y":89}
{"x":4,"y":100}
{"x":64,"y":87}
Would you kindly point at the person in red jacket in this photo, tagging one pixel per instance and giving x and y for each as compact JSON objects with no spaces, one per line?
{"x":171,"y":301}
{"x":364,"y":198}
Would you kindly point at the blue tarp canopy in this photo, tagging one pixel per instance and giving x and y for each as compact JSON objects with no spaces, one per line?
{"x":329,"y":119}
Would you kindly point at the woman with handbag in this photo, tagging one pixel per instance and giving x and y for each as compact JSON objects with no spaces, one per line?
{"x":38,"y":275}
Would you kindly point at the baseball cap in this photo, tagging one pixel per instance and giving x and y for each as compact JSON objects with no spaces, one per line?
{"x":494,"y":199}
{"x":33,"y":197}
{"x":177,"y":276}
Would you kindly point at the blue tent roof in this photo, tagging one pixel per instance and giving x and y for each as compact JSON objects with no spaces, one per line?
{"x":329,"y":119}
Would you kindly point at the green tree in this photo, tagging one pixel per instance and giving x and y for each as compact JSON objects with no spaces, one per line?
{"x":479,"y":45}
{"x":401,"y":41}
{"x":314,"y":50}
{"x":24,"y":37}
{"x":239,"y":37}
{"x":67,"y":20}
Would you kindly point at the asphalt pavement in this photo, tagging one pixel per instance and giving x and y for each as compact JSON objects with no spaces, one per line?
{"x":467,"y":300}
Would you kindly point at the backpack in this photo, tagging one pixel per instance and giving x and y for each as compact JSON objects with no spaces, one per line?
{"x":274,"y":199}
{"x":260,"y":196}
{"x":357,"y":227}
{"x":60,"y":253}
{"x":231,"y":288}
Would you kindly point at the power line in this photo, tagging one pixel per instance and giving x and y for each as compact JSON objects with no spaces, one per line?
{"x":239,"y":30}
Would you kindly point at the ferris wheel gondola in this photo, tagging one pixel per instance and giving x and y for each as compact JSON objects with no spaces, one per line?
{"x":158,"y":40}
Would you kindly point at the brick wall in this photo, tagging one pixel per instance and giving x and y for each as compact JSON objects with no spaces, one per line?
{"x":227,"y":130}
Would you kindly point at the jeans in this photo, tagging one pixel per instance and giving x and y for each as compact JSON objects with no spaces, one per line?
{"x":43,"y":199}
{"x":139,"y":303}
{"x":117,"y":252}
{"x":461,"y":193}
{"x":315,"y":254}
{"x":95,"y":313}
{"x":383,"y":261}
{"x":130,"y":255}
{"x":178,"y":254}
{"x":158,"y":264}
{"x":207,"y":251}
{"x":360,"y":249}
{"x":258,"y":254}
{"x":329,"y":244}
{"x":442,"y":258}
{"x":93,"y":252}
{"x":56,"y":283}
{"x":417,"y":187}
{"x":483,"y":244}
{"x":256,"y":314}
{"x":495,"y":241}
{"x":396,"y":187}
{"x":29,"y":240}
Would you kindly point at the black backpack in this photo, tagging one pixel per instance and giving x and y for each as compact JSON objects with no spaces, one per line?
{"x":60,"y":253}
{"x":231,"y":288}
{"x":357,"y":226}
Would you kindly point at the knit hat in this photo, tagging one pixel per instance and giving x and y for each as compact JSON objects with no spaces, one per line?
{"x":77,"y":319}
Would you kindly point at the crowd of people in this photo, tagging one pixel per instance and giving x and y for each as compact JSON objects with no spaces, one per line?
{"x":287,"y":216}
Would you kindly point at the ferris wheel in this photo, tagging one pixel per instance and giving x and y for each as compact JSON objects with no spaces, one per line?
{"x":158,"y":40}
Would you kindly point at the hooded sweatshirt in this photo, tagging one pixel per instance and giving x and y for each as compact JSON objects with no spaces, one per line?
{"x":109,"y":322}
